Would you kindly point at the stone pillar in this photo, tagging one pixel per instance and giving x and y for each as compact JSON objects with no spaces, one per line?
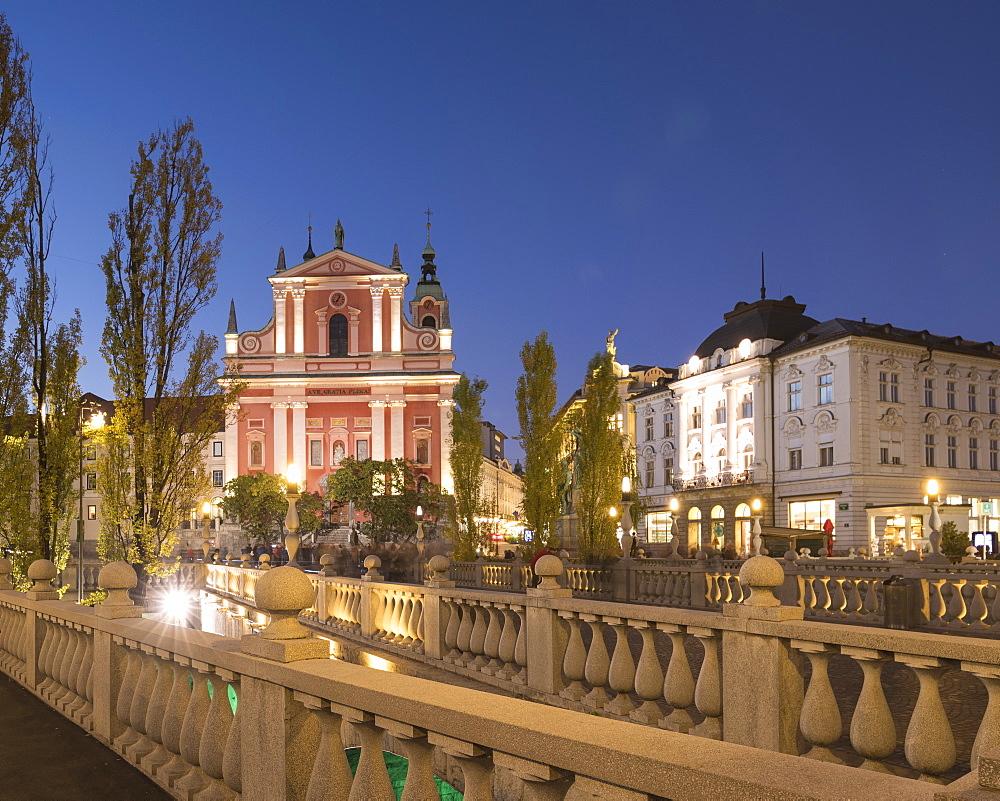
{"x":760,"y":708}
{"x":298,"y":304}
{"x":378,"y":430}
{"x":231,"y":442}
{"x":435,"y":617}
{"x":395,"y":322}
{"x":396,"y":428}
{"x":377,"y":317}
{"x":447,"y":482}
{"x":299,"y":436}
{"x":279,"y":449}
{"x":279,"y":320}
{"x":546,"y":637}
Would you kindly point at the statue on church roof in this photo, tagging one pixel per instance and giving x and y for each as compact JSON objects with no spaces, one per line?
{"x":611,"y":343}
{"x":338,"y":236}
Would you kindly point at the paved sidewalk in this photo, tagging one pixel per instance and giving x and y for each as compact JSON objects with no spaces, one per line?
{"x":45,"y":756}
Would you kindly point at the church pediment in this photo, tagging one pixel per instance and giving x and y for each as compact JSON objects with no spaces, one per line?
{"x":336,"y":263}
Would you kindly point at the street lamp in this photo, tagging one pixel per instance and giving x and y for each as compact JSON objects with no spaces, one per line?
{"x":420,"y":532}
{"x":95,"y":421}
{"x":626,"y":540}
{"x":755,"y":506}
{"x":292,"y":515}
{"x":934,"y":499}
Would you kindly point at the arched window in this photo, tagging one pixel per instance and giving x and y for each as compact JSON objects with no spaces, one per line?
{"x":718,"y":525}
{"x":338,"y":335}
{"x":697,"y":465}
{"x":747,"y":457}
{"x":744,"y":523}
{"x":720,"y":458}
{"x":429,"y":322}
{"x":694,"y":526}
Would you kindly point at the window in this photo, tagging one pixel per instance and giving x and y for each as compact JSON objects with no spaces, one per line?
{"x":991,"y":400}
{"x":217,"y":448}
{"x":720,"y":413}
{"x":928,"y":392}
{"x":696,"y":418}
{"x":883,"y":455}
{"x":973,"y":453}
{"x":657,"y":524}
{"x":256,"y":453}
{"x":423,"y":451}
{"x":92,"y":512}
{"x":794,"y":396}
{"x":994,"y":454}
{"x":811,"y":514}
{"x":668,"y":469}
{"x":217,"y":478}
{"x":316,"y":452}
{"x":825,"y":455}
{"x":697,"y":464}
{"x":90,"y":452}
{"x":795,"y":459}
{"x":668,"y":424}
{"x":748,"y":457}
{"x":429,"y":322}
{"x":338,"y":335}
{"x":91,"y":481}
{"x":952,"y":451}
{"x":929,"y":450}
{"x":973,"y":390}
{"x":361,"y":449}
{"x":746,"y":406}
{"x":949,"y":394}
{"x":826,"y":388}
{"x":650,"y":479}
{"x":649,"y":428}
{"x":888,"y":387}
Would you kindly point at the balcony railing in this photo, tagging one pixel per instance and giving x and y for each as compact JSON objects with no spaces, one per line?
{"x":726,"y":479}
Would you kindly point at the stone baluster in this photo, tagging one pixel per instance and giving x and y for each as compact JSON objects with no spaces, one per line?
{"x":420,"y":784}
{"x":708,"y":689}
{"x":819,"y":719}
{"x":574,"y":659}
{"x":995,"y":608}
{"x":988,"y":736}
{"x":853,"y":605}
{"x":124,"y":701}
{"x":598,"y":664}
{"x":414,"y":624}
{"x":977,"y":608}
{"x":821,"y":605}
{"x":929,"y":744}
{"x":331,"y":773}
{"x":396,"y":621}
{"x":678,"y":683}
{"x":648,"y":676}
{"x":938,"y":609}
{"x":45,"y":656}
{"x":808,"y":596}
{"x":838,"y":600}
{"x":156,"y":712}
{"x":475,"y":763}
{"x":507,"y":644}
{"x":173,"y":722}
{"x":477,"y":642}
{"x":465,"y":636}
{"x":371,"y":779}
{"x":141,"y":695}
{"x":214,"y":738}
{"x":956,"y":606}
{"x":873,"y":734}
{"x":872,"y":605}
{"x":64,"y":666}
{"x":195,"y":780}
{"x":539,"y":782}
{"x":82,"y":710}
{"x":491,"y":645}
{"x":452,"y":630}
{"x":621,"y":672}
{"x":521,"y":648}
{"x":232,"y":757}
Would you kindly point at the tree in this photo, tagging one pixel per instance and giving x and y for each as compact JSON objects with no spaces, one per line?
{"x":601,"y":457}
{"x":257,"y":502}
{"x":540,"y":437}
{"x":388,"y":492}
{"x":159,"y":273}
{"x":953,"y":541}
{"x":467,"y":466}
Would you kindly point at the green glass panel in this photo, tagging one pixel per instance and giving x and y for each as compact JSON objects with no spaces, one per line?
{"x":233,"y":700}
{"x":211,"y":690}
{"x":397,"y":767}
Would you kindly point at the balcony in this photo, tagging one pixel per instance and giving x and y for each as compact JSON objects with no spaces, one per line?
{"x":726,"y":479}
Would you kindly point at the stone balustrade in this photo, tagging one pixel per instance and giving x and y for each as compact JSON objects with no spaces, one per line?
{"x":267,"y":718}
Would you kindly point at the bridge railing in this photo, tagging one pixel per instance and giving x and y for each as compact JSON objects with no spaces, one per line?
{"x":266,"y":719}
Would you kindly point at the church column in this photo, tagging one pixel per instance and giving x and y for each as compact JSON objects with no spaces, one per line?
{"x":299,"y":436}
{"x":231,"y":442}
{"x":396,"y":429}
{"x":298,"y":302}
{"x":446,"y":404}
{"x":279,"y":320}
{"x":732,"y":413}
{"x":376,"y":317}
{"x":396,"y":310}
{"x":280,"y":447}
{"x":378,"y":430}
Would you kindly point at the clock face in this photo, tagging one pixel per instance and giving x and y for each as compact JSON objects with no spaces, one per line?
{"x":338,"y":299}
{"x":428,"y":304}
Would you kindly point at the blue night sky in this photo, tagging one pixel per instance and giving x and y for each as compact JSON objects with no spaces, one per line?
{"x":590,"y":165}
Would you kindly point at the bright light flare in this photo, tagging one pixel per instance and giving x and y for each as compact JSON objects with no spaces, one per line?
{"x":176,"y":606}
{"x":292,"y":475}
{"x":932,"y":488}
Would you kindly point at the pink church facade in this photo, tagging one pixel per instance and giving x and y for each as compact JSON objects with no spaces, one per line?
{"x":340,"y":370}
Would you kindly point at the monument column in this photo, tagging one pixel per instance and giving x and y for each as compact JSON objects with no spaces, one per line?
{"x":447,"y":483}
{"x":298,"y":304}
{"x":279,"y":320}
{"x":396,"y":429}
{"x":376,"y":291}
{"x":396,"y":310}
{"x":378,"y":430}
{"x":279,"y":451}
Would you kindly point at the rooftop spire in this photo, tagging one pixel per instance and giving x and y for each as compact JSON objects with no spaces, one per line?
{"x":763,"y":288}
{"x":309,"y":250}
{"x":233,"y":329}
{"x":338,"y":236}
{"x":428,"y":270}
{"x":395,"y":258}
{"x":428,"y":250}
{"x":281,"y":261}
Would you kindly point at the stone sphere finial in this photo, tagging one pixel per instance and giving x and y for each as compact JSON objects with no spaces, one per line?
{"x":229,"y":557}
{"x":41,"y":572}
{"x":244,"y":560}
{"x":6,"y":568}
{"x":549,"y":568}
{"x":328,"y":565}
{"x":762,"y":574}
{"x":117,"y":578}
{"x":372,"y":563}
{"x":265,"y":561}
{"x":791,"y":556}
{"x":283,"y":592}
{"x":439,"y":566}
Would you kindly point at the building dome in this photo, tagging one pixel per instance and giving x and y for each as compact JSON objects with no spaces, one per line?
{"x":765,"y":319}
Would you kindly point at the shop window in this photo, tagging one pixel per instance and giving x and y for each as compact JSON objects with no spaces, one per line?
{"x":811,"y":514}
{"x":694,"y":525}
{"x":657,"y":527}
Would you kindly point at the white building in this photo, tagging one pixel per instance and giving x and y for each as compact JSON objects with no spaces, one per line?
{"x":840,"y":421}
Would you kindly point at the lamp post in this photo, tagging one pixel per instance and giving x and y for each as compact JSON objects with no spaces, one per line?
{"x":934,"y":499}
{"x":95,"y":421}
{"x":206,"y":531}
{"x":672,"y":517}
{"x":626,"y":540}
{"x":755,"y":506}
{"x":420,"y":532}
{"x":292,"y":515}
